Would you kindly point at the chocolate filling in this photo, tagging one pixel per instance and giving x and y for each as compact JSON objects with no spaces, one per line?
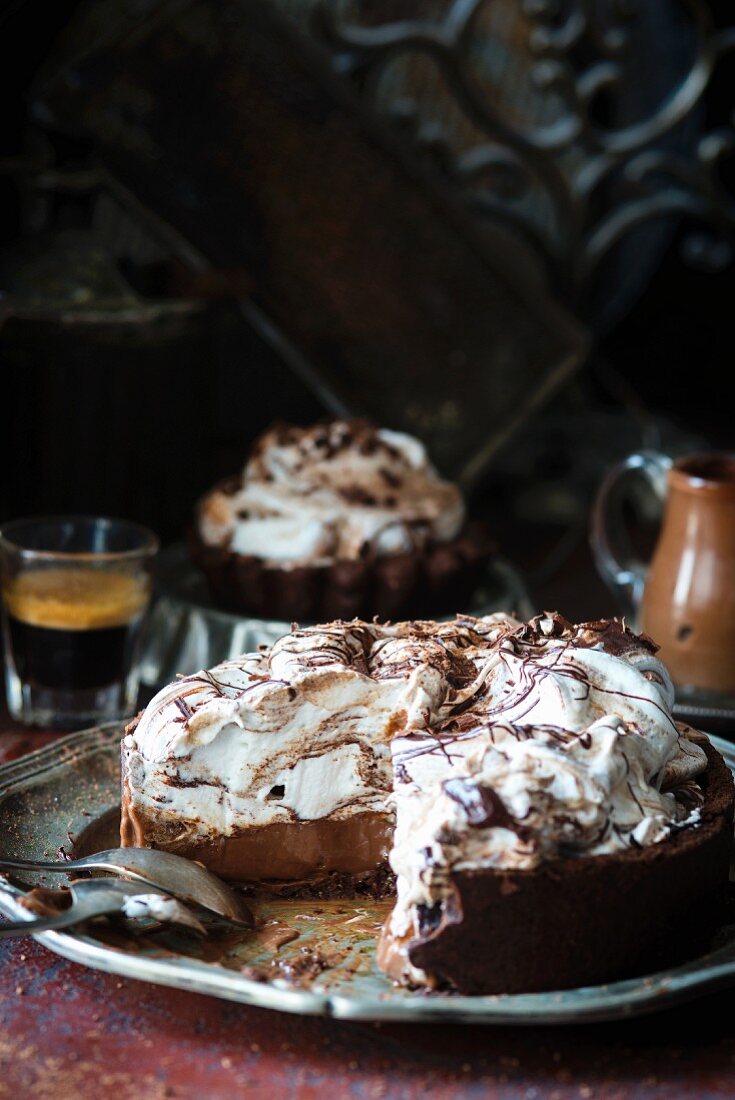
{"x":281,"y":851}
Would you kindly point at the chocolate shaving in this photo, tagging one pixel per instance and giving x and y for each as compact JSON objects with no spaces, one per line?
{"x":429,"y":917}
{"x":184,"y":707}
{"x":484,"y":808}
{"x":355,"y":494}
{"x":389,"y":477}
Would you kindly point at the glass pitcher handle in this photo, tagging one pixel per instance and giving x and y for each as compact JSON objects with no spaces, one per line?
{"x":611,"y":545}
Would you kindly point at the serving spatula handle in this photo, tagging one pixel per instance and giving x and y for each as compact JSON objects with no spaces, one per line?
{"x":78,"y":912}
{"x":36,"y":865}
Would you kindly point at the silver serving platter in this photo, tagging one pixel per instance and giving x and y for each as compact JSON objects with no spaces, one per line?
{"x":187,"y":632}
{"x":70,"y":790}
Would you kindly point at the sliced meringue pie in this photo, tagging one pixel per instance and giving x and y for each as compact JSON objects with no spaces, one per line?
{"x":548,"y":822}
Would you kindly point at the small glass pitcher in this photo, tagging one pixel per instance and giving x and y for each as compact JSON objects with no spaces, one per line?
{"x":685,"y":598}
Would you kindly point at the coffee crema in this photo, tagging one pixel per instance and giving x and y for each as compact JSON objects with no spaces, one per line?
{"x":75,"y":599}
{"x":74,"y":629}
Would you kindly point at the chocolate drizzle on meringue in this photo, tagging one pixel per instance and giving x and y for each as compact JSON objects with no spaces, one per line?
{"x":483,"y":807}
{"x":184,"y":707}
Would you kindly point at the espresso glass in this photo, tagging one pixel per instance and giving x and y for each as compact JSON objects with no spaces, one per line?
{"x":75,"y":591}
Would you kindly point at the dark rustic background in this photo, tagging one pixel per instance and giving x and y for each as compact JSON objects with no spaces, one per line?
{"x":138,"y":423}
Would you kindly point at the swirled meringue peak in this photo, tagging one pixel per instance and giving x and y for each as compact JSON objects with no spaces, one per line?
{"x":332,"y":492}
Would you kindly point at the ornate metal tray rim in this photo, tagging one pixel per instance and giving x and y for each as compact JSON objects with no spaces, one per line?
{"x":617,"y":1000}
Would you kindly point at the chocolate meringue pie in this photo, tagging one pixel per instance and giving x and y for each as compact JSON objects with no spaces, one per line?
{"x":548,"y":822}
{"x":337,"y":520}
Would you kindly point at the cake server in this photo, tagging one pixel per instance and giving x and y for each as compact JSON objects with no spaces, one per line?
{"x":98,"y":897}
{"x":182,"y":878}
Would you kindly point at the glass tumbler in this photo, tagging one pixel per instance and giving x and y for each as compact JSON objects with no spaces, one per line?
{"x":75,"y":591}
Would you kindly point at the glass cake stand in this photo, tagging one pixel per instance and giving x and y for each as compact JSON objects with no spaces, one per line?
{"x":187,"y":632}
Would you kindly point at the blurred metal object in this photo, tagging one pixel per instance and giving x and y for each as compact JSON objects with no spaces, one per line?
{"x":186,"y":632}
{"x":228,"y":124}
{"x":71,"y":279}
{"x":573,"y":125}
{"x":90,"y":365}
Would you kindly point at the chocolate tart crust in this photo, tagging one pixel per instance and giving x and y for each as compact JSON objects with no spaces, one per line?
{"x":575,"y":922}
{"x":438,"y":578}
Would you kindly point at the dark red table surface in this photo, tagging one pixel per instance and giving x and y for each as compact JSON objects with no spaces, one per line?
{"x":66,"y":1031}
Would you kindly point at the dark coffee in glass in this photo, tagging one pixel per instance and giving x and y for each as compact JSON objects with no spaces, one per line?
{"x":73,"y":618}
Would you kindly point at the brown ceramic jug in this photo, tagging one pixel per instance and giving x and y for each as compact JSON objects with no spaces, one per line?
{"x":686,"y":598}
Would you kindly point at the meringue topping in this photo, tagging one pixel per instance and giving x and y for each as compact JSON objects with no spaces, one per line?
{"x":336,"y":491}
{"x":505,"y":744}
